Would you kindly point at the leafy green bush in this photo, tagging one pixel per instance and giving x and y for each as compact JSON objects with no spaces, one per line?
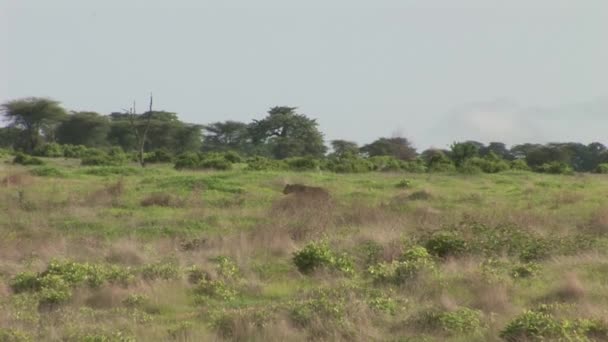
{"x":47,"y":171}
{"x":556,"y":168}
{"x":215,"y":289}
{"x":96,"y":157}
{"x":534,"y":326}
{"x":188,"y":160}
{"x":215,"y":162}
{"x":602,"y":168}
{"x":302,"y":164}
{"x":258,"y":163}
{"x":446,"y":243}
{"x":409,"y":265}
{"x":525,"y":270}
{"x":487,"y":165}
{"x":74,"y":151}
{"x":233,"y":157}
{"x":50,"y":150}
{"x":158,"y":156}
{"x":13,"y":335}
{"x":24,"y":159}
{"x":385,"y":163}
{"x":165,"y":270}
{"x":53,"y":286}
{"x":317,"y":255}
{"x":520,"y":164}
{"x":416,"y":166}
{"x":460,"y":321}
{"x":112,"y":171}
{"x":348,"y":165}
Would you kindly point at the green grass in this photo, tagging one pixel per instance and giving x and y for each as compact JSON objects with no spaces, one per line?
{"x":501,"y":246}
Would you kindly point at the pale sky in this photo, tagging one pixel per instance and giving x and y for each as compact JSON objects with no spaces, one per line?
{"x":433,"y":71}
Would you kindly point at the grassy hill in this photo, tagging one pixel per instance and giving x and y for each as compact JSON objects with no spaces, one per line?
{"x":123,"y":253}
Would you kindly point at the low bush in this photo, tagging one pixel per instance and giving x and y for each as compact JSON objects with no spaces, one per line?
{"x":158,"y":156}
{"x":96,"y":157}
{"x":348,"y":165}
{"x":50,"y":150}
{"x":602,"y":168}
{"x":460,"y":321}
{"x":519,"y":164}
{"x":409,"y":265}
{"x":302,"y":164}
{"x":47,"y":171}
{"x":24,"y":159}
{"x":555,"y":168}
{"x":446,"y":243}
{"x":258,"y":163}
{"x":318,"y":255}
{"x":194,"y":161}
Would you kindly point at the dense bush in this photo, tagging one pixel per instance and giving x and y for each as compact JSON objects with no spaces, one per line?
{"x":520,"y":164}
{"x":317,"y":255}
{"x":96,"y":157}
{"x":302,"y":164}
{"x":348,"y":165}
{"x":602,"y":168}
{"x":409,"y":265}
{"x":74,"y":151}
{"x":556,"y":168}
{"x":50,"y":150}
{"x":198,"y":161}
{"x":24,"y":159}
{"x":460,"y":321}
{"x":46,"y":171}
{"x":446,"y":243}
{"x":158,"y":156}
{"x":233,"y":157}
{"x":487,"y":165}
{"x":541,"y":325}
{"x":258,"y":163}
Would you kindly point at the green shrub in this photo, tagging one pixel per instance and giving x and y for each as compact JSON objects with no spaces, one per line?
{"x":218,"y":289}
{"x":556,"y":168}
{"x":96,"y":157}
{"x":348,"y":165}
{"x":404,"y":184}
{"x":112,"y":171}
{"x":416,"y":166}
{"x":216,"y":163}
{"x":50,"y":150}
{"x":158,"y":156}
{"x":74,"y":151}
{"x":487,"y":165}
{"x":469,"y":167}
{"x":534,"y":326}
{"x":460,"y":321}
{"x":317,"y":255}
{"x":233,"y":157}
{"x":165,"y":270}
{"x":385,"y":163}
{"x":24,"y":159}
{"x":409,"y":265}
{"x":302,"y":164}
{"x":446,"y":243}
{"x":525,"y":270}
{"x":602,"y":168}
{"x":520,"y":164}
{"x":47,"y":171}
{"x":188,"y":160}
{"x":258,"y":163}
{"x":13,"y":335}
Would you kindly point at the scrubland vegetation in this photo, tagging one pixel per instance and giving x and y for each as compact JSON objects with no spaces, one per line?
{"x":122,"y":253}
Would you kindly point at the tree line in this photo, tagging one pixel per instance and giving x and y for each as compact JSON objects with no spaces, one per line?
{"x":42,"y":127}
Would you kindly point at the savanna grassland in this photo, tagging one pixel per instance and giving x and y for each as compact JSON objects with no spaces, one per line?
{"x":155,"y":254}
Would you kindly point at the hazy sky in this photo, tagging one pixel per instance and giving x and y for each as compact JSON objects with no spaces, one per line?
{"x":433,"y":71}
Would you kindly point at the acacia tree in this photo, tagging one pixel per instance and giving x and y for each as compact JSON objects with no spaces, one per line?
{"x":288,"y":134}
{"x":32,"y":116}
{"x":140,"y":125}
{"x":398,"y":147}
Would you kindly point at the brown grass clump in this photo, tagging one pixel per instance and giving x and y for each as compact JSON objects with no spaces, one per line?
{"x":17,"y":179}
{"x":566,"y":198}
{"x":571,"y":289}
{"x":108,"y":195}
{"x":303,"y":216}
{"x":124,"y":253}
{"x":491,"y":297}
{"x":161,"y":199}
{"x":598,"y":223}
